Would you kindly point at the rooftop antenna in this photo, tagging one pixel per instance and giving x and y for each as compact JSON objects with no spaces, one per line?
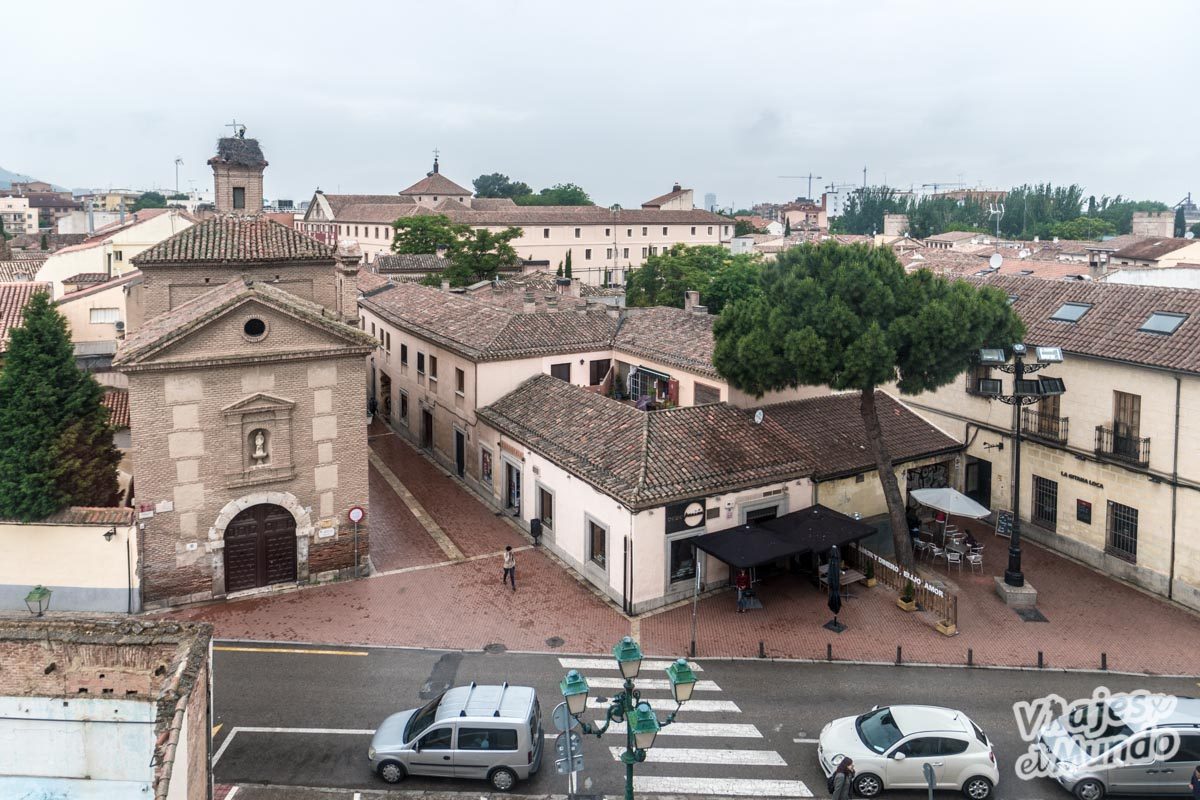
{"x":864,"y":176}
{"x":996,"y":210}
{"x":178,"y":162}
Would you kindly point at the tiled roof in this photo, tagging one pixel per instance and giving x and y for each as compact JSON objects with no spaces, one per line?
{"x":368,"y":281}
{"x":1151,"y":249}
{"x":1108,"y":330}
{"x":86,"y":278}
{"x":381,"y":213}
{"x":954,"y":236}
{"x":585,"y":215}
{"x":669,"y":335}
{"x":492,"y":203}
{"x":409,"y":262}
{"x":134,"y":277}
{"x":239,"y":152}
{"x":91,"y":515}
{"x":1115,"y":243}
{"x":20,"y":270}
{"x":339,"y":202}
{"x":646,"y":459}
{"x":117,"y":403}
{"x":486,"y":333}
{"x":13,"y":299}
{"x":541,"y":284}
{"x":435,"y":183}
{"x":832,"y":427}
{"x":229,"y":238}
{"x":169,"y":327}
{"x":665,"y":198}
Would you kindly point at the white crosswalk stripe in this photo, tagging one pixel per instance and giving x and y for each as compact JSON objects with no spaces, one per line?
{"x":645,"y":684}
{"x":666,"y":704}
{"x":699,"y":755}
{"x":608,"y":663}
{"x":717,"y":730}
{"x":724,"y":787}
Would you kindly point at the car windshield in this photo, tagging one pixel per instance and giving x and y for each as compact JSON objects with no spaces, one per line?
{"x":878,"y":730}
{"x":422,"y":719}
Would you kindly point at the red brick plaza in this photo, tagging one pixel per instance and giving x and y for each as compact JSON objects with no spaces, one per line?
{"x":437,"y":549}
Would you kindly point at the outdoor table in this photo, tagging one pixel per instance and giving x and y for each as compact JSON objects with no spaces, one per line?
{"x":849,"y":576}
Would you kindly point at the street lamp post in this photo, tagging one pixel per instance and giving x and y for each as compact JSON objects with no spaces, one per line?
{"x":641,"y":723}
{"x":1025,"y":393}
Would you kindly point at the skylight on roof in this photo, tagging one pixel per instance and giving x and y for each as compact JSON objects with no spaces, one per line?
{"x":1164,"y":322}
{"x":1071,"y":312}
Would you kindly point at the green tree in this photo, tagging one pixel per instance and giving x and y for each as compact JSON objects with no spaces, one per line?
{"x":864,"y":211}
{"x":567,"y":266}
{"x":150,"y":200}
{"x":719,"y":276}
{"x":744,"y":227}
{"x":850,"y":318}
{"x":45,"y":242}
{"x":478,"y":256}
{"x":787,"y":227}
{"x":4,"y":237}
{"x":1084,"y":228}
{"x":56,"y":445}
{"x":1195,"y":229}
{"x":560,"y":270}
{"x":1119,"y":212}
{"x":560,"y":194}
{"x":1180,"y":222}
{"x":498,"y":185}
{"x":427,"y":232}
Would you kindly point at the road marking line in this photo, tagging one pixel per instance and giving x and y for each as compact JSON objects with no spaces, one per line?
{"x":807,"y":741}
{"x":608,"y":663}
{"x":716,"y":730}
{"x":666,"y":704}
{"x":301,"y":651}
{"x":721,"y":786}
{"x":217,"y":728}
{"x":691,"y":755}
{"x":232,"y":792}
{"x":357,"y":796}
{"x":250,"y":729}
{"x":644,"y":684}
{"x":427,"y":522}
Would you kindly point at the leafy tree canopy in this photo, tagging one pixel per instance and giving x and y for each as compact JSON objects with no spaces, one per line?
{"x":426,"y":233}
{"x":150,"y":200}
{"x":56,"y":445}
{"x":560,"y":194}
{"x":498,"y":185}
{"x":744,"y":227}
{"x":477,"y":255}
{"x":719,"y":276}
{"x":1084,"y":228}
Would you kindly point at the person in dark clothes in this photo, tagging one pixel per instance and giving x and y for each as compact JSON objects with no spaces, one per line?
{"x":1195,"y":783}
{"x":843,"y":778}
{"x":742,"y":582}
{"x":510,"y":567}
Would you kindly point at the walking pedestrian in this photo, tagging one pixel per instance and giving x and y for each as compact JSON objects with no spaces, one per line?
{"x":1195,"y":782}
{"x":742,"y":582}
{"x":510,"y":567}
{"x":842,"y":779}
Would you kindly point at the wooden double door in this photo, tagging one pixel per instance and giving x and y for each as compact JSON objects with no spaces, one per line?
{"x":260,"y":548}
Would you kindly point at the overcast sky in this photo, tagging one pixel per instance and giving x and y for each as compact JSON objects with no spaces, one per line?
{"x":623,"y":98}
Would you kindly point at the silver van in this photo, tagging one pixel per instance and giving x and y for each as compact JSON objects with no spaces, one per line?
{"x":1130,"y":748}
{"x":492,"y":733}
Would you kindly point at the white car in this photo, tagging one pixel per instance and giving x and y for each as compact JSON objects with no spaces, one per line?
{"x":891,"y":745}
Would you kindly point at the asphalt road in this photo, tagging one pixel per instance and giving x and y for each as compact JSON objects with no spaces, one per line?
{"x":303,"y":716}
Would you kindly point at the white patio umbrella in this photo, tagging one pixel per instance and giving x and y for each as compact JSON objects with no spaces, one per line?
{"x":950,"y":501}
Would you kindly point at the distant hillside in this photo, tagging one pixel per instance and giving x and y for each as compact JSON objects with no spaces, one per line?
{"x":7,"y":178}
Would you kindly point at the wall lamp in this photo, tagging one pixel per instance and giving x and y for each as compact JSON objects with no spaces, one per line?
{"x":110,"y":533}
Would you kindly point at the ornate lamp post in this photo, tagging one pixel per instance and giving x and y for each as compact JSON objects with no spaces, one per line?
{"x":642,"y":725}
{"x":1025,"y":393}
{"x":38,"y":600}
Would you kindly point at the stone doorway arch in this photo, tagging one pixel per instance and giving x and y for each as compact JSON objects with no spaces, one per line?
{"x":285,"y":501}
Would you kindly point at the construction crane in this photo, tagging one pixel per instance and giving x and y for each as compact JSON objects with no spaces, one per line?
{"x":941,"y":185}
{"x":809,"y":177}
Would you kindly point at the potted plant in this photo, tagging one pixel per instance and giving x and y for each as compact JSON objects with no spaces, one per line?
{"x":907,"y":599}
{"x":869,"y":571}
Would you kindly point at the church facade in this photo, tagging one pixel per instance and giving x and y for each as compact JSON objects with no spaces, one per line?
{"x":247,"y":408}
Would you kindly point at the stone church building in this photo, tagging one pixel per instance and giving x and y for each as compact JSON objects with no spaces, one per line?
{"x":247,"y":401}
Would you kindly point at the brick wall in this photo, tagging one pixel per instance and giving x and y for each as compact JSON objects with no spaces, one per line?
{"x":226,"y":178}
{"x":164,"y":288}
{"x":81,"y":669}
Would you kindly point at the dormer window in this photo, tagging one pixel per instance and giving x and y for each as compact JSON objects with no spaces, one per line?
{"x":1071,"y":312}
{"x":1164,"y":322}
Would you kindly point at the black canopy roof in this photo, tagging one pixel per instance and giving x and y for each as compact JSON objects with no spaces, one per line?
{"x":814,"y":529}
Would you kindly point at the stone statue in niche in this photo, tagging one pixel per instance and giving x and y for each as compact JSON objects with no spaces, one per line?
{"x":260,"y":454}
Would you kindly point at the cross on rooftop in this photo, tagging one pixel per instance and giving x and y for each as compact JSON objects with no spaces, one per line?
{"x":239,"y":130}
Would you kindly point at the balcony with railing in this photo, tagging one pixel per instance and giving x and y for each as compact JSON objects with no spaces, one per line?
{"x":1047,"y":427}
{"x":1131,"y":449}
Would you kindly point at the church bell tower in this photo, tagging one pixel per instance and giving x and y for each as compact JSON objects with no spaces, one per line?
{"x":238,"y":174}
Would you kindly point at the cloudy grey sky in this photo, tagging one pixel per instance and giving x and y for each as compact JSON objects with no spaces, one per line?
{"x":621,"y":97}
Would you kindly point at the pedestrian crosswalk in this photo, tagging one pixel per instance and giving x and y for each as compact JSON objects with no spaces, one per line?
{"x":673,"y":769}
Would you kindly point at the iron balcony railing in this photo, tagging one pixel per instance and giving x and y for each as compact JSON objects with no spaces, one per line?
{"x":1049,"y":427}
{"x":1133,"y":449}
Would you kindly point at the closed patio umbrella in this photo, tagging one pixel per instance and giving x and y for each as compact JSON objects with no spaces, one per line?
{"x":834,"y":579}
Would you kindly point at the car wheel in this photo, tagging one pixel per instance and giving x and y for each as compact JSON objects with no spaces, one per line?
{"x":1089,"y":789}
{"x":868,"y":785}
{"x":502,"y":779}
{"x":978,"y":788}
{"x":392,"y":771}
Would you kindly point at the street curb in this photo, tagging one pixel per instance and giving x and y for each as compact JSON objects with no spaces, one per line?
{"x":729,"y":659}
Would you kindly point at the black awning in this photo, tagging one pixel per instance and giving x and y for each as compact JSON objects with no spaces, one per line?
{"x":814,"y":529}
{"x":662,"y":376}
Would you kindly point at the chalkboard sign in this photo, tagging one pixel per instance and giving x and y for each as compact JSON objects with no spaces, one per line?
{"x":1004,"y":522}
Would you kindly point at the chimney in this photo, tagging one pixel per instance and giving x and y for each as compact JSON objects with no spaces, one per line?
{"x":691,"y":299}
{"x":676,"y":187}
{"x":445,"y":285}
{"x":91,"y":218}
{"x":440,"y":251}
{"x":530,"y":305}
{"x":121,"y":205}
{"x":576,"y":288}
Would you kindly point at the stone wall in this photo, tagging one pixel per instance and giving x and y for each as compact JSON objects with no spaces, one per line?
{"x":164,"y":288}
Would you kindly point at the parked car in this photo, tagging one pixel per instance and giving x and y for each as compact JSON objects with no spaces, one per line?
{"x":891,"y":745}
{"x":1131,"y":749}
{"x":491,"y":733}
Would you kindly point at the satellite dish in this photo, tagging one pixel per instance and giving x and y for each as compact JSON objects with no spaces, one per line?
{"x":995,"y":261}
{"x":1190,"y":235}
{"x":758,"y":417}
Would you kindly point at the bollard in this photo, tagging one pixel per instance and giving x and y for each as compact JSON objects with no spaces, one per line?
{"x":970,"y":657}
{"x":829,"y":651}
{"x":693,"y":650}
{"x":762,"y":652}
{"x":1104,"y":662}
{"x":899,"y":654}
{"x":1040,"y":663}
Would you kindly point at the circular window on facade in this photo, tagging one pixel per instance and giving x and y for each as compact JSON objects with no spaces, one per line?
{"x":254,"y":328}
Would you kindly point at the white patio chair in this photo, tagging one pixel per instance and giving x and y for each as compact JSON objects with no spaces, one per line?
{"x":976,"y":561}
{"x":935,"y":552}
{"x":955,"y":558}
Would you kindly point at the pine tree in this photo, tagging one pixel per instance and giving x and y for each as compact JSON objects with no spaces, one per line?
{"x":787,"y":227}
{"x":56,"y":445}
{"x":1180,"y":222}
{"x":560,"y":270}
{"x":567,"y":266}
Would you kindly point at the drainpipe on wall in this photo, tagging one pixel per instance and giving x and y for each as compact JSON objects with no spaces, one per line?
{"x":1174,"y":489}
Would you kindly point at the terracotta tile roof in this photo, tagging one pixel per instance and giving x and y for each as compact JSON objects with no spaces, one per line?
{"x":370,"y":281}
{"x":954,"y":236}
{"x":379,"y":213}
{"x":239,"y":152}
{"x":492,"y":203}
{"x":585,"y":215}
{"x":339,"y":202}
{"x":86,"y":278}
{"x":662,"y":199}
{"x":169,"y":327}
{"x":1151,"y":249}
{"x":20,"y":270}
{"x":1115,"y":243}
{"x":646,"y":459}
{"x":670,"y":335}
{"x":132,"y":277}
{"x":409,"y":262}
{"x":91,"y":515}
{"x":117,"y":403}
{"x":832,"y":427}
{"x":435,"y":183}
{"x":484,"y":332}
{"x":230,"y":238}
{"x":1108,"y":330}
{"x":13,"y":299}
{"x":510,"y":291}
